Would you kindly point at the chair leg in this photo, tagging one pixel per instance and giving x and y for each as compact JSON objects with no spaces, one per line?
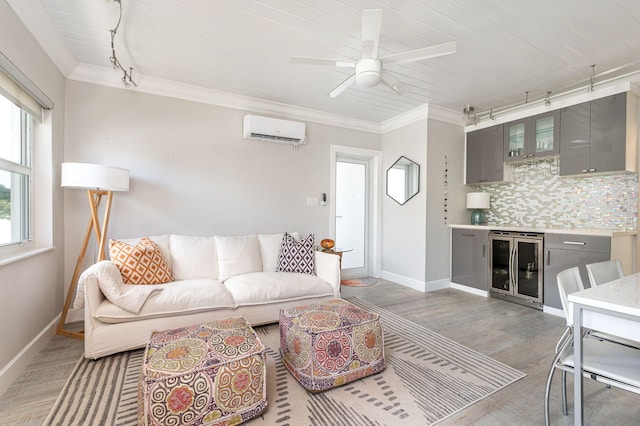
{"x":564,"y":392}
{"x":547,"y":392}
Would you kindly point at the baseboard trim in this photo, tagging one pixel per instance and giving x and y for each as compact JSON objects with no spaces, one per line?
{"x":553,"y":311}
{"x":12,"y":370}
{"x":405,"y":281}
{"x":437,"y":285}
{"x":471,"y":290}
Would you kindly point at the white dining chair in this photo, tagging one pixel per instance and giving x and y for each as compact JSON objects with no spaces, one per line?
{"x":603,"y":361}
{"x":603,"y":272}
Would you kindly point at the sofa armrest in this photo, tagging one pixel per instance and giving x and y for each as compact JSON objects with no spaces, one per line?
{"x":328,"y":269}
{"x":93,"y":295}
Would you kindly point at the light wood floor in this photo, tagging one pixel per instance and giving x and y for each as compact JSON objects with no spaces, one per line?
{"x":521,"y":337}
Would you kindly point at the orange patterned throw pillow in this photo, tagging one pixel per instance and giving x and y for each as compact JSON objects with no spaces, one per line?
{"x":140,"y":264}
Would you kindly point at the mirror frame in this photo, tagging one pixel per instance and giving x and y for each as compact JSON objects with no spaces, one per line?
{"x":417,"y":179}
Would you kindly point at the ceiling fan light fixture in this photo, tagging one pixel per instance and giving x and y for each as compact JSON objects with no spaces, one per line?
{"x":368,"y":72}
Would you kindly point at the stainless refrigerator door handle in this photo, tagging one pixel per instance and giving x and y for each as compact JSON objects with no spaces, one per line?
{"x":512,"y":275}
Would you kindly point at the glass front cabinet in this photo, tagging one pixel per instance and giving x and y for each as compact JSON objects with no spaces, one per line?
{"x":537,"y":136}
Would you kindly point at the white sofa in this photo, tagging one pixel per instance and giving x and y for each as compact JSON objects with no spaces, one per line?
{"x":214,"y":278}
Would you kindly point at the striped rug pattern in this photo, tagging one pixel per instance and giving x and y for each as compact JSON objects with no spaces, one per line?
{"x":428,"y":378}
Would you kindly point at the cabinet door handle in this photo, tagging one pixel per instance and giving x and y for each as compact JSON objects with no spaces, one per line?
{"x":484,"y":250}
{"x":574,"y":243}
{"x":585,"y":170}
{"x":548,"y":257}
{"x":467,"y":235}
{"x":592,"y":170}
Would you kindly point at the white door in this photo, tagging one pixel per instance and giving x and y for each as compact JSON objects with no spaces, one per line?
{"x":355,"y":209}
{"x":352,"y":207}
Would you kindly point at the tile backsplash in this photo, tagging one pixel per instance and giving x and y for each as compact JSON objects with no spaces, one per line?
{"x":539,"y":197}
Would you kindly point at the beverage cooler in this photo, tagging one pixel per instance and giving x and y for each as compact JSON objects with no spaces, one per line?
{"x":515,"y":272}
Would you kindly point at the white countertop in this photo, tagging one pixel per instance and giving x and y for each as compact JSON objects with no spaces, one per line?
{"x":622,"y":296}
{"x":520,"y":228}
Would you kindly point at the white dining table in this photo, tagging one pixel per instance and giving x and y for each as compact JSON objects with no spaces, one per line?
{"x":613,"y":308}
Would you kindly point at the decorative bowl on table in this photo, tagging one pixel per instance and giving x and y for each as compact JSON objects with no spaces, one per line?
{"x":327,"y":243}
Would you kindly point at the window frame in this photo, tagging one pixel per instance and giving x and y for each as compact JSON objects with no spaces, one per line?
{"x":24,"y":204}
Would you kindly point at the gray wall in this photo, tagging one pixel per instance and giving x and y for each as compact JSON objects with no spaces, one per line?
{"x":191,"y":170}
{"x":31,"y":289}
{"x":444,"y":140}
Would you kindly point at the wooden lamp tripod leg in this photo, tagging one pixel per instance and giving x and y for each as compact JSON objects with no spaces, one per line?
{"x":94,"y":202}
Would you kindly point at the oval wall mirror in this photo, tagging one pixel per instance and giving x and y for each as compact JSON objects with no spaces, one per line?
{"x":403,"y":180}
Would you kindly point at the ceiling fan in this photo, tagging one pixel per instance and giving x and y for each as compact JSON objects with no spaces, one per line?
{"x":369,"y":69}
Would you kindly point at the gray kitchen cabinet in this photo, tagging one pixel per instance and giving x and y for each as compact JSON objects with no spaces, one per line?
{"x":593,"y":137}
{"x":532,"y":137}
{"x":564,"y":251}
{"x":469,"y":257}
{"x":485,"y":156}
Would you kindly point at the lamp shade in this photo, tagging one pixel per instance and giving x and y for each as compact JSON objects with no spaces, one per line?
{"x":94,"y":176}
{"x":478,"y":200}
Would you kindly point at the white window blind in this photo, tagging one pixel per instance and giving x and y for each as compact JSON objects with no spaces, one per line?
{"x":20,"y":90}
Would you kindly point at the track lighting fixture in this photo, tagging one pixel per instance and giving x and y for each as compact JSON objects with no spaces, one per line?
{"x":547,"y":101}
{"x":470,"y":112}
{"x":127,"y":76}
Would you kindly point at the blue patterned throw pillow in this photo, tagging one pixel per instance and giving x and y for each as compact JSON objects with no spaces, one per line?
{"x":296,"y":256}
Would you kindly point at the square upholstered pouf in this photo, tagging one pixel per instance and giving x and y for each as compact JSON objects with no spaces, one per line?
{"x":210,"y":373}
{"x":329,"y":344}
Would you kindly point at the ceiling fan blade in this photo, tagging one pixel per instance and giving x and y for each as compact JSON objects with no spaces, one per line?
{"x":320,"y":61}
{"x":420,"y":54}
{"x":342,"y":86}
{"x":393,"y":83}
{"x":371,"y":23}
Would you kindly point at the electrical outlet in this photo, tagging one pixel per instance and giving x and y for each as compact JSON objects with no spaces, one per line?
{"x":312,"y":202}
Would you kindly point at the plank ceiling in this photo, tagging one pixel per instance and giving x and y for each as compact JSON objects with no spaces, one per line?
{"x":504,"y":47}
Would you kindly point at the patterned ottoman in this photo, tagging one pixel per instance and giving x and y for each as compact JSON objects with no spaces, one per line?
{"x":209,"y":374}
{"x":329,"y":344}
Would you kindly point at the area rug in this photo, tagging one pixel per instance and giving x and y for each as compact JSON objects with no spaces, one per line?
{"x":428,"y":378}
{"x":359,"y":282}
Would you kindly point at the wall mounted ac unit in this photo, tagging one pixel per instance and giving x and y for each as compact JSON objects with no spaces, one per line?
{"x":274,"y":130}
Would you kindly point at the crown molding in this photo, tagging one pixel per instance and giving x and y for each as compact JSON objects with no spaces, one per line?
{"x":444,"y":114}
{"x":39,"y":24}
{"x":156,"y":86}
{"x":404,"y":119}
{"x":423,"y":112}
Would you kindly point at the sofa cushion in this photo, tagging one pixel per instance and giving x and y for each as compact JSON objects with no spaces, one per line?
{"x":270,"y":249}
{"x":296,"y":256}
{"x":193,"y":257}
{"x":178,"y":297}
{"x":142,"y":263}
{"x":268,"y":287}
{"x":237,"y":255}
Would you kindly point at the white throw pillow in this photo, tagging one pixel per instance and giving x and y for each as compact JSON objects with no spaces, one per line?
{"x":237,"y":255}
{"x":270,"y":249}
{"x":193,"y":257}
{"x":128,"y":297}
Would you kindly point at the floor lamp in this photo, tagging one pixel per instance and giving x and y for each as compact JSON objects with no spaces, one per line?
{"x":98,"y":181}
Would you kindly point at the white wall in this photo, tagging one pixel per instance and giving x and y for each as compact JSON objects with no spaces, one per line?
{"x":191,"y":170}
{"x":415,"y":236}
{"x":404,"y":226}
{"x":32,"y":289}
